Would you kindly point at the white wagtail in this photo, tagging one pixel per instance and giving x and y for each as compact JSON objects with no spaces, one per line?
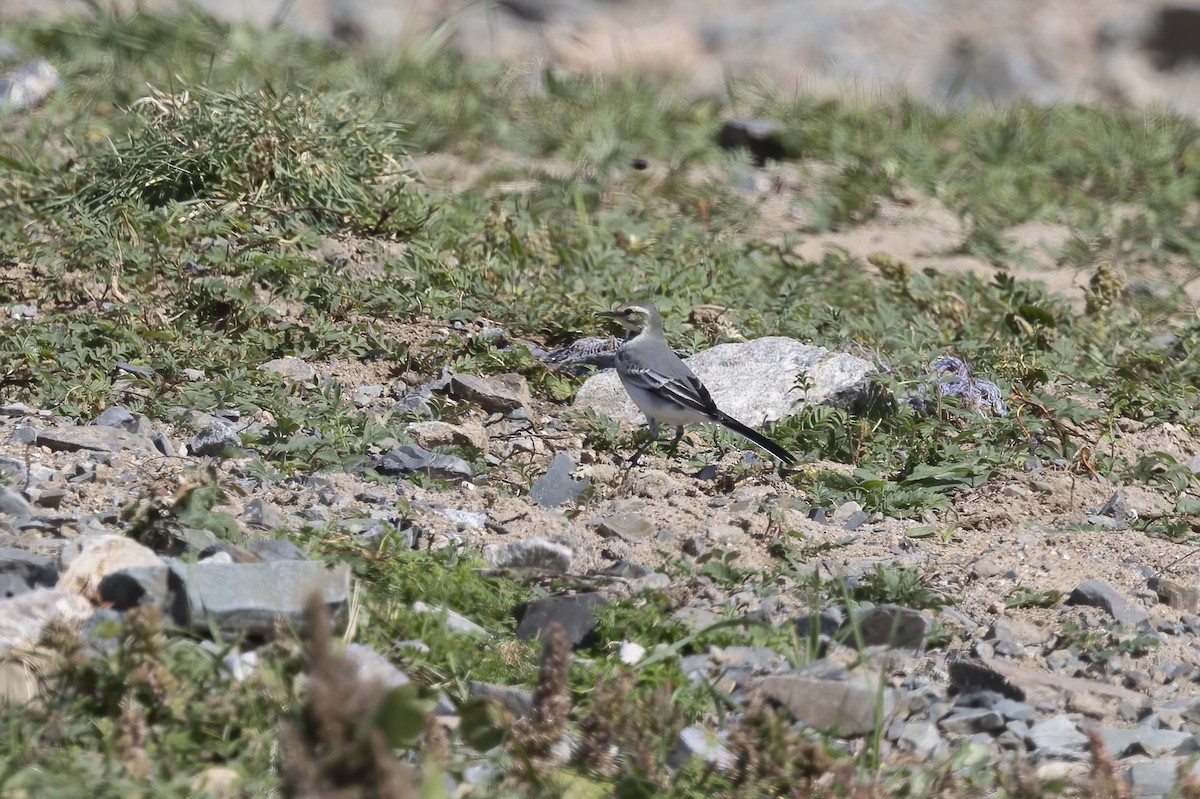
{"x":663,"y":387}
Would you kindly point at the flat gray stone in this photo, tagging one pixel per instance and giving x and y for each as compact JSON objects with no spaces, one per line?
{"x":246,"y":598}
{"x":971,"y":720}
{"x":294,"y":371}
{"x":887,"y":625}
{"x":841,"y":703}
{"x":412,"y":458}
{"x":575,"y":612}
{"x":13,"y":505}
{"x":1156,"y":779}
{"x":626,"y":526}
{"x":1146,"y":741}
{"x":754,"y":382}
{"x":454,"y":620}
{"x":94,"y":439}
{"x":273,"y":550}
{"x":22,"y":571}
{"x":921,"y":738}
{"x":533,"y":553}
{"x":1098,"y":594}
{"x":370,"y":666}
{"x":496,"y":394}
{"x":262,"y":514}
{"x":214,"y":440}
{"x":1055,"y":733}
{"x":557,"y":486}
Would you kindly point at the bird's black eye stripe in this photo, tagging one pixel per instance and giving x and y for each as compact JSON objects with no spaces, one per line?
{"x":628,"y":312}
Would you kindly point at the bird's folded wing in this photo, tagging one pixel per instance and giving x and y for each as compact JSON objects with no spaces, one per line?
{"x":686,"y":391}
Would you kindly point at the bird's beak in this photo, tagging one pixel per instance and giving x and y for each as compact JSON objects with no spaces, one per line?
{"x":606,"y":314}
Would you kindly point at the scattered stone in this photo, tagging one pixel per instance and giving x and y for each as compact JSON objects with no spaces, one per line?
{"x":1146,"y":741}
{"x":826,"y":697}
{"x":887,"y":625}
{"x":412,"y":458}
{"x":575,"y":612}
{"x":22,"y":571}
{"x":496,"y":394}
{"x":90,"y":559}
{"x":1056,"y":733}
{"x":118,"y":417}
{"x":1177,"y":594}
{"x":272,"y":550}
{"x":365,"y":395}
{"x":754,"y":382}
{"x":94,"y":439}
{"x":971,"y":720}
{"x":465,"y":519}
{"x":24,"y":618}
{"x":454,"y":620}
{"x":695,"y":741}
{"x":14,"y":505}
{"x":1097,"y":594}
{"x":245,"y":598}
{"x":1155,"y":779}
{"x":215,"y":440}
{"x":28,"y":85}
{"x":162,"y":443}
{"x":516,"y":701}
{"x":557,"y":485}
{"x":294,"y":371}
{"x":371,"y":666}
{"x":626,"y":526}
{"x":921,"y":738}
{"x":535,"y":553}
{"x":263,"y":515}
{"x":443,"y":434}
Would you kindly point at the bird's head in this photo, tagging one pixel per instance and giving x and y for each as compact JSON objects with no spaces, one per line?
{"x":635,"y":316}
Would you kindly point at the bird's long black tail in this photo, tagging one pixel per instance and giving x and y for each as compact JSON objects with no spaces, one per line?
{"x":758,"y":438}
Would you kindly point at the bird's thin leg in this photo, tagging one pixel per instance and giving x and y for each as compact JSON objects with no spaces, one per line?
{"x":675,"y":441}
{"x":642,"y":449}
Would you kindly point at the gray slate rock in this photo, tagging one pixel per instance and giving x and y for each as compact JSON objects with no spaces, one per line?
{"x":370,"y":666}
{"x":496,"y":394}
{"x":214,"y":440}
{"x":245,"y":598}
{"x":516,"y":701}
{"x":1098,"y":594}
{"x":454,"y":620}
{"x":971,"y":720}
{"x":826,"y":697}
{"x":1156,"y":779}
{"x":1057,"y":733}
{"x":14,"y":505}
{"x":887,"y":625}
{"x":22,"y":571}
{"x":412,"y":458}
{"x":576,"y":613}
{"x":626,"y":526}
{"x":921,"y":738}
{"x":262,"y":514}
{"x":557,"y":485}
{"x":1122,"y":742}
{"x":271,"y":550}
{"x":754,"y":382}
{"x":533,"y":553}
{"x":93,"y":438}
